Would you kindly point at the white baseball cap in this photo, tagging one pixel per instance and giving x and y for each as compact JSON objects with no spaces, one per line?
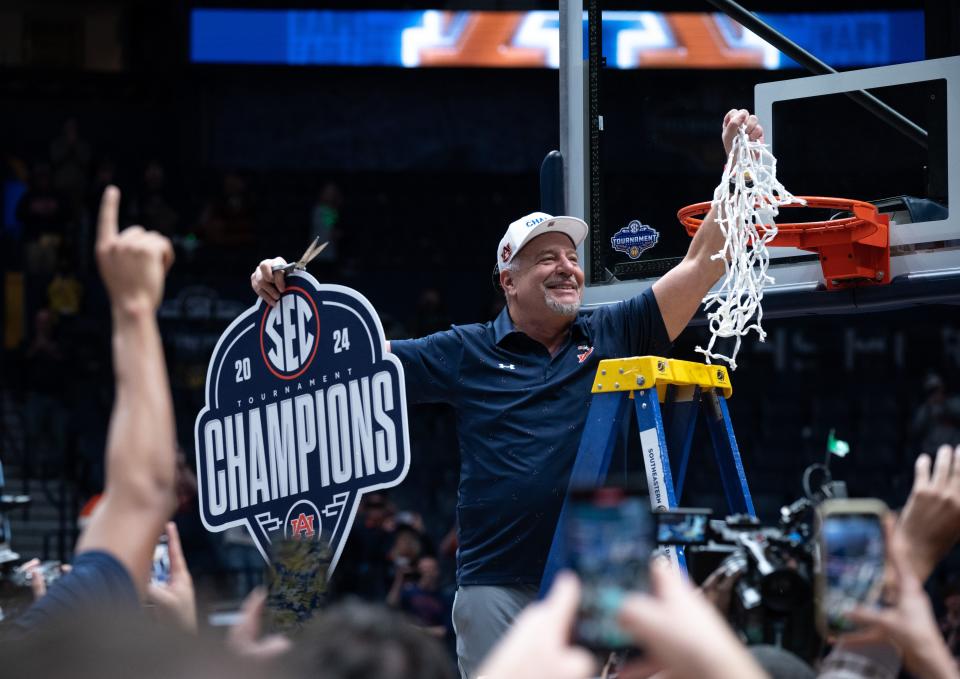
{"x":525,"y":229}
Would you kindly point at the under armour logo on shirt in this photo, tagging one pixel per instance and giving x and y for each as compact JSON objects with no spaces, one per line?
{"x":509,"y":366}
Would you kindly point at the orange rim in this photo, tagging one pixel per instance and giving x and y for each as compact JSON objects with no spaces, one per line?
{"x":864,"y":221}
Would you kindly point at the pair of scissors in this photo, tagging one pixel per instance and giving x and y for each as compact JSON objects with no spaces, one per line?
{"x":301,"y":264}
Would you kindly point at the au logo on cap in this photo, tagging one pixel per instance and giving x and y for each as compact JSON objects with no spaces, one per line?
{"x":304,"y":413}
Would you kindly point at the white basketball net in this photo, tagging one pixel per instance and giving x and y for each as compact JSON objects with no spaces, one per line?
{"x":748,"y":197}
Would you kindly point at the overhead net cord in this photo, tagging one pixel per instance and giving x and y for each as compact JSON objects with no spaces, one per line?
{"x":746,"y":201}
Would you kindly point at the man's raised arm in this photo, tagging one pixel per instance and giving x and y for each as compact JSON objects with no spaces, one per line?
{"x":141,"y":445}
{"x":680,"y":290}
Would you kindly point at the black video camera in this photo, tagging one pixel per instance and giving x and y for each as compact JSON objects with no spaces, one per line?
{"x":774,"y":567}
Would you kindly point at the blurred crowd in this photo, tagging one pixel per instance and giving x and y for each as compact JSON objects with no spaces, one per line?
{"x":58,"y":393}
{"x":387,"y":606}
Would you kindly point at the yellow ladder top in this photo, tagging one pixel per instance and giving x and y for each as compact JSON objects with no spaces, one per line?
{"x":644,"y":372}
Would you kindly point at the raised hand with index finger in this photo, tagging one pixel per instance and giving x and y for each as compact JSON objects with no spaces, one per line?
{"x":133,"y":263}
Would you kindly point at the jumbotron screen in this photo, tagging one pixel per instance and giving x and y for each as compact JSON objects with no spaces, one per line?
{"x":487,"y":39}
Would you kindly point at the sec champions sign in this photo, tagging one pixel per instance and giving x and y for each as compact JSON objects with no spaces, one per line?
{"x":304,"y":413}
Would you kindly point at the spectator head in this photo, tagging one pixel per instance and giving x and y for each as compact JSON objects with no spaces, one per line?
{"x":375,"y":510}
{"x":951,"y":595}
{"x":330,"y":194}
{"x":407,"y":545}
{"x":429,"y":570}
{"x":109,"y":645}
{"x":359,"y":641}
{"x":410,"y":519}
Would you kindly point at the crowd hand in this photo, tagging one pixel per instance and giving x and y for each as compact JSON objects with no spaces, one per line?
{"x":930,"y":522}
{"x":174,"y":599}
{"x":909,"y":624}
{"x":38,"y":583}
{"x":682,"y":632}
{"x":38,"y":580}
{"x":718,"y":587}
{"x":400,"y":573}
{"x":731,"y":125}
{"x":133,"y":263}
{"x":269,"y":285}
{"x":244,"y":638}
{"x":538,"y":644}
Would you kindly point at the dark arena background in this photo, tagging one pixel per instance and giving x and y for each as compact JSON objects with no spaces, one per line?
{"x":243,"y":130}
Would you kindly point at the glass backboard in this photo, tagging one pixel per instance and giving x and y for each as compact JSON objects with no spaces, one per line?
{"x":659,"y":150}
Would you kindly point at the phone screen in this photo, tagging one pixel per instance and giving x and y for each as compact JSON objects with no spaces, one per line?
{"x":609,"y":541}
{"x":160,"y":568}
{"x":682,"y":526}
{"x":853,"y":565}
{"x":296,"y":583}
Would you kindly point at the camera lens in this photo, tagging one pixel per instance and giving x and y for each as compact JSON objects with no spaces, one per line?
{"x":784,"y":590}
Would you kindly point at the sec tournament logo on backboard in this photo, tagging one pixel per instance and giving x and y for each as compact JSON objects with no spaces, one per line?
{"x":634,"y":239}
{"x":304,"y":413}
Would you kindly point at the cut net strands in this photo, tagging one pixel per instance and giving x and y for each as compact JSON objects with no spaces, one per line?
{"x":746,"y":201}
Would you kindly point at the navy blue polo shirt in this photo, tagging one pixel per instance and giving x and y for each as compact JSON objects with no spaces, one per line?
{"x":520,"y":413}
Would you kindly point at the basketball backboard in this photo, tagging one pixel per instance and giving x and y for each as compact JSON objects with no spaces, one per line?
{"x":825,"y":143}
{"x":821,"y":148}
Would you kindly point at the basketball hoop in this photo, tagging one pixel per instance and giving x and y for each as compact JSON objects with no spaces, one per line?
{"x":853,"y":250}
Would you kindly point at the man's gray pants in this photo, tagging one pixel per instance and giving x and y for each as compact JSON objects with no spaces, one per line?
{"x":481,"y":615}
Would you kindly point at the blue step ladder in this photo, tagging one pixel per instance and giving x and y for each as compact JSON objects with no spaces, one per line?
{"x":667,"y":396}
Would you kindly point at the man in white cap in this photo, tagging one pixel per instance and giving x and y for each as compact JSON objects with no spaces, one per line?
{"x":520,"y":386}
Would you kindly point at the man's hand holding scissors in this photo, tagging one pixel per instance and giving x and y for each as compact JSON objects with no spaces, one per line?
{"x":269,"y":278}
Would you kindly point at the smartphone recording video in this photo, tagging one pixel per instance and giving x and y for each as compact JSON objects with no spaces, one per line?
{"x":609,"y":541}
{"x":853,"y":554}
{"x":160,"y":567}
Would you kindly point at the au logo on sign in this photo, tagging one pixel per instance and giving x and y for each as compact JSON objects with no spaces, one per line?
{"x":304,"y":413}
{"x":634,"y":239}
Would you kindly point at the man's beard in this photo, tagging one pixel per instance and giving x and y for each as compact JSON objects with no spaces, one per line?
{"x":562,"y":308}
